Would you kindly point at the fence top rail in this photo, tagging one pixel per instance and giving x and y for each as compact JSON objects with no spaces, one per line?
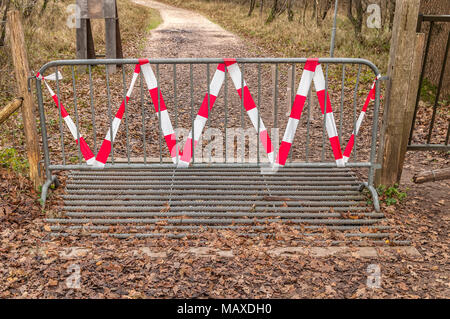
{"x":208,"y":60}
{"x":435,"y":18}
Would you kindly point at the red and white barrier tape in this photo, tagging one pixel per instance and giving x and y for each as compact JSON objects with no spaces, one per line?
{"x":312,"y":72}
{"x":166,"y":124}
{"x":203,"y":113}
{"x":351,"y":142}
{"x":84,"y":148}
{"x":250,"y":106}
{"x":105,"y":148}
{"x":202,"y":116}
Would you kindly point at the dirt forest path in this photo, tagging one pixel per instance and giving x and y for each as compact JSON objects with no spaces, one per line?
{"x":184,"y":34}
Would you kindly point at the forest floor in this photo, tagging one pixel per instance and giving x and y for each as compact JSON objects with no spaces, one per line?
{"x":228,"y":266}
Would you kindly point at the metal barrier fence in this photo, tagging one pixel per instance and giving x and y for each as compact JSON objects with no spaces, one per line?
{"x":180,"y":87}
{"x":424,"y":142}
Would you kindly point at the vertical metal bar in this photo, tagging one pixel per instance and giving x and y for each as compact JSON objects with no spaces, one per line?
{"x":48,"y":173}
{"x":373,"y":145}
{"x":209,"y":108}
{"x":438,"y":93}
{"x":242,"y":114}
{"x":259,"y":114}
{"x":424,"y":62}
{"x":143,"y":117}
{"x":275,"y":105}
{"x":341,"y":113}
{"x":108,"y":93}
{"x":333,"y":30}
{"x":324,"y":114}
{"x":76,"y":114}
{"x":126,"y":112}
{"x":91,"y":95}
{"x":419,"y":22}
{"x":292,"y":101}
{"x":61,"y":130}
{"x":355,"y":98}
{"x":308,"y":124}
{"x":225,"y":97}
{"x":159,"y":113}
{"x":191,"y":79}
{"x":175,"y":103}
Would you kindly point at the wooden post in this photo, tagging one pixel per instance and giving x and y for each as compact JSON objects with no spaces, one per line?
{"x":85,"y":41}
{"x":99,"y":9}
{"x":412,"y":95}
{"x":119,"y":51}
{"x":9,"y":109}
{"x":403,"y":71}
{"x":22,"y":72}
{"x":110,"y":32}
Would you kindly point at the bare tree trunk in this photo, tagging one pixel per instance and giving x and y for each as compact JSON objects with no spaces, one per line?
{"x":261,"y":7}
{"x":273,"y":11}
{"x":383,"y":12}
{"x":3,"y":24}
{"x":44,"y":6}
{"x":29,"y":8}
{"x":304,"y":11}
{"x":326,"y":9}
{"x":314,"y":9}
{"x":356,"y":21}
{"x":391,"y":13}
{"x":289,"y":10}
{"x":252,"y":7}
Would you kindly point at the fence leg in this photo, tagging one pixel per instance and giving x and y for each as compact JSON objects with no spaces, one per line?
{"x":22,"y":72}
{"x":405,"y":59}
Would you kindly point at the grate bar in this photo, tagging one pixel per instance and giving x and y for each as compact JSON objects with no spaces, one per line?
{"x":208,"y":208}
{"x":223,"y":214}
{"x":72,"y":199}
{"x":179,"y":202}
{"x":191,"y":227}
{"x":210,"y":221}
{"x":315,"y":191}
{"x":312,"y":186}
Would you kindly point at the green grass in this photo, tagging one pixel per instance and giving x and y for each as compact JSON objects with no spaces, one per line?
{"x":391,"y":195}
{"x":154,"y":20}
{"x":9,"y":158}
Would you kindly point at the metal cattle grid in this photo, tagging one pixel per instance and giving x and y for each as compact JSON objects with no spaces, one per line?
{"x":120,"y":189}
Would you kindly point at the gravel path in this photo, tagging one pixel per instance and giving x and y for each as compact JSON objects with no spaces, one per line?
{"x":184,"y":32}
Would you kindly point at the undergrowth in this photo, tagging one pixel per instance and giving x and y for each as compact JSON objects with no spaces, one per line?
{"x":391,"y":195}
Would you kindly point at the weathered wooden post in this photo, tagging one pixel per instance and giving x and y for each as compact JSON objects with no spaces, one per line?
{"x":99,"y":9}
{"x":405,"y":59}
{"x":21,"y":70}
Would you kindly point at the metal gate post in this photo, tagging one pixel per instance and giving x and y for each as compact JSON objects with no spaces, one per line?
{"x":48,"y":174}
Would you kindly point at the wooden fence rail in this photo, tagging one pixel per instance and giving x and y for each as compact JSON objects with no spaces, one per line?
{"x":9,"y":109}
